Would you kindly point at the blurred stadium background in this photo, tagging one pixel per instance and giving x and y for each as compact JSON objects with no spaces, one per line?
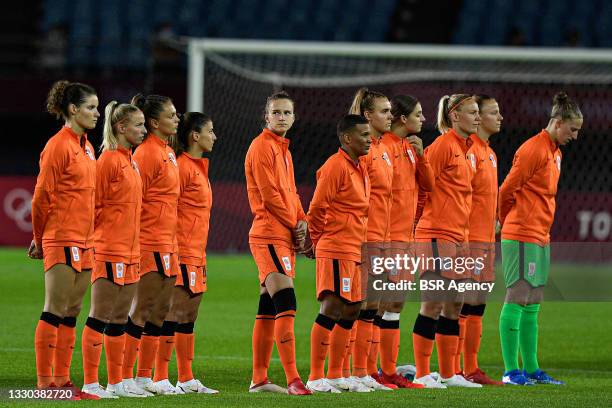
{"x":125,"y":47}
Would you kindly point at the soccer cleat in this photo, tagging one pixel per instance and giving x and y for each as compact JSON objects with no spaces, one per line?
{"x":429,"y":381}
{"x":339,"y":383}
{"x":400,"y":381}
{"x":164,"y":387}
{"x":371,"y":383}
{"x":356,"y":386}
{"x":119,"y":390}
{"x":131,"y":387}
{"x":407,"y":371}
{"x":267,"y":386}
{"x":97,"y":390}
{"x":379,"y":380}
{"x":516,"y":377}
{"x":540,"y":377}
{"x":194,"y":386}
{"x":146,"y":384}
{"x":458,"y":381}
{"x":479,"y":377}
{"x":297,"y":387}
{"x":321,"y":385}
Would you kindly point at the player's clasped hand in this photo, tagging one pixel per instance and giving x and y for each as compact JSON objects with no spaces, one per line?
{"x":417,"y":143}
{"x":299,"y":234}
{"x":34,"y":252}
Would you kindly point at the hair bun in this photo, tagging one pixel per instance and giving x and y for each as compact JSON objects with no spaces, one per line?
{"x":138,"y":100}
{"x":560,"y":98}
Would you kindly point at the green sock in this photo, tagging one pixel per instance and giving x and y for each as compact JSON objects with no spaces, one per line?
{"x":528,"y":338}
{"x":509,"y":326}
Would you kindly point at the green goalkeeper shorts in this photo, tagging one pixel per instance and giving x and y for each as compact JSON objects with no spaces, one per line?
{"x":525,"y":260}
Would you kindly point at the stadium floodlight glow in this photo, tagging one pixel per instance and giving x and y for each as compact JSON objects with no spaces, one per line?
{"x":523,"y":64}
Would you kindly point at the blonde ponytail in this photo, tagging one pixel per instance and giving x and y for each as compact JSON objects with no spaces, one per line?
{"x":444,"y":123}
{"x":114,"y":114}
{"x":364,"y":101}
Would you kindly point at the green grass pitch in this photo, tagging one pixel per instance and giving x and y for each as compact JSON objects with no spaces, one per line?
{"x":575,"y":345}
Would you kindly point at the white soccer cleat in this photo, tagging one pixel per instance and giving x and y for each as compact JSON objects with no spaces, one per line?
{"x":339,"y":383}
{"x":119,"y":390}
{"x":130,"y":386}
{"x":146,"y":384}
{"x":429,"y":381}
{"x":406,"y":369}
{"x":165,"y":388}
{"x":194,"y":386}
{"x":97,"y":390}
{"x":267,"y":386}
{"x":457,"y":380}
{"x":355,"y":385}
{"x":321,"y":385}
{"x":371,"y":383}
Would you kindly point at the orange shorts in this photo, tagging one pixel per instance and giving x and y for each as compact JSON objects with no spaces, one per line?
{"x":164,"y":263}
{"x":192,"y":278}
{"x":77,"y":258}
{"x":340,"y":277}
{"x":484,"y":255}
{"x":273,"y":258}
{"x":116,"y":272}
{"x":442,"y":257}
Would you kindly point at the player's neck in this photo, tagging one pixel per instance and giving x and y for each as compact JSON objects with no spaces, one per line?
{"x":71,"y":124}
{"x":161,"y":136}
{"x":399,"y":131}
{"x":195,"y":151}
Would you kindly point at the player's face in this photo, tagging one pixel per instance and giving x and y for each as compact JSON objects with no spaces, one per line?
{"x":168,"y":120}
{"x":468,"y":117}
{"x":279,"y":116}
{"x":135,"y":129}
{"x":359,"y":139}
{"x":207,"y":137}
{"x":490,"y":117}
{"x":380,"y":116}
{"x":414,"y":121}
{"x":86,"y":114}
{"x":568,"y":130}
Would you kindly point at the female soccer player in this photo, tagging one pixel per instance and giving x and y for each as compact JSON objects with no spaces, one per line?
{"x":441,"y":234}
{"x":158,"y":249}
{"x":195,"y":136}
{"x":117,"y":230}
{"x":278,"y":226}
{"x":482,"y":238}
{"x":526,"y":213}
{"x":376,"y":109}
{"x":338,"y":226}
{"x":411,"y":173}
{"x":63,"y":226}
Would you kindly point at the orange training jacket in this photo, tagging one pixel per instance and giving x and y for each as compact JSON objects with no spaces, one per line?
{"x":527,"y":195}
{"x":484,"y":191}
{"x":118,"y":205}
{"x":273,"y":197}
{"x":410,"y":172}
{"x":64,"y":197}
{"x":338,"y":215}
{"x":160,"y":191}
{"x":194,"y":207}
{"x":380,"y":173}
{"x":446,"y":209}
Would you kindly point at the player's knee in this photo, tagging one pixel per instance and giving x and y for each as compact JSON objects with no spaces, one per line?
{"x":351,"y":312}
{"x":284,"y":300}
{"x":431,"y":309}
{"x":394,"y":307}
{"x":73,"y":310}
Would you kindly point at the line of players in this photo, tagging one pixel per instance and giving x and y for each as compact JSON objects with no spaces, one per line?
{"x":383,"y":188}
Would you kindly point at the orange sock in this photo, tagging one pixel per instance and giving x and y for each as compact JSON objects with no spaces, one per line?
{"x":363,"y":342}
{"x":149,"y":344}
{"x":462,"y":322}
{"x":91,"y":345}
{"x":374,"y":348}
{"x":423,"y":336}
{"x":285,"y":343}
{"x":114,"y":343}
{"x":339,"y":342}
{"x":447,"y":340}
{"x":350,"y":353}
{"x":263,"y":342}
{"x":133,"y":334}
{"x":184,"y":341}
{"x":164,"y":351}
{"x":66,"y":337}
{"x":319,"y":345}
{"x":473,"y":333}
{"x":45,"y":339}
{"x":389,"y":345}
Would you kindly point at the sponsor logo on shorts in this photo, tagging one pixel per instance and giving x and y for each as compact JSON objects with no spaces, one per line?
{"x":119,"y":269}
{"x":346,"y":284}
{"x":477,"y":270}
{"x":75,"y":254}
{"x":287,"y":263}
{"x":167,"y":261}
{"x":192,"y":279}
{"x":532,"y":269}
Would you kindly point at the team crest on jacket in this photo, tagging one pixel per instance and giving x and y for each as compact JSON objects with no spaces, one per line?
{"x":385,"y":157}
{"x":89,"y":153}
{"x":172,"y":158}
{"x":135,"y":167}
{"x":411,"y":155}
{"x":558,"y":161}
{"x":493,"y":162}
